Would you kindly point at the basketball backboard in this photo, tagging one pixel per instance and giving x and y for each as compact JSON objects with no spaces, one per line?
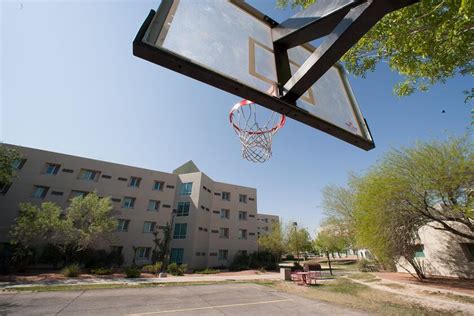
{"x":229,"y":45}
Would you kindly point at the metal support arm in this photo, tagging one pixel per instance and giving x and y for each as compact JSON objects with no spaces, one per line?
{"x":358,"y":21}
{"x":313,"y":22}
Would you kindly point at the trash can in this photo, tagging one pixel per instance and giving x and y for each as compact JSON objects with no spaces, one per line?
{"x":285,"y":274}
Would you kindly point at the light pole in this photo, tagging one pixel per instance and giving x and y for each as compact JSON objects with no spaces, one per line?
{"x":295,"y":225}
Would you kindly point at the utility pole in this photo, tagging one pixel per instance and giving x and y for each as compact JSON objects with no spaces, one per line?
{"x":295,"y":225}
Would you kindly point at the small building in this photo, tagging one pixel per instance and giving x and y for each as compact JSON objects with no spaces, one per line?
{"x":442,"y":253}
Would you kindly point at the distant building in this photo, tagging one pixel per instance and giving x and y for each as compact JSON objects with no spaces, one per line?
{"x":442,"y":253}
{"x":264,"y":223}
{"x":213,"y":221}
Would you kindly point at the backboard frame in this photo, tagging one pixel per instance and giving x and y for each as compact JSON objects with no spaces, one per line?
{"x":172,"y":61}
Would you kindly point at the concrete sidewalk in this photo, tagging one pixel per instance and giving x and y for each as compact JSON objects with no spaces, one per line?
{"x":127,"y":281}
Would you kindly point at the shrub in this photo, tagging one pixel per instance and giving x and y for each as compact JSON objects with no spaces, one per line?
{"x":71,"y":271}
{"x":240,"y":262}
{"x":256,"y":260}
{"x":296,"y":267}
{"x":51,"y":254}
{"x":132,"y":272}
{"x":262,"y":259}
{"x":290,"y":257}
{"x":207,"y":271}
{"x":152,"y":268}
{"x":175,"y":269}
{"x":102,"y":271}
{"x":365,"y":265}
{"x":98,"y":258}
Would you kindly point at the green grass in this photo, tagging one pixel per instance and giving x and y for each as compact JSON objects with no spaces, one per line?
{"x":456,"y":297}
{"x":363,"y":276}
{"x":393,"y":285}
{"x":87,"y":287}
{"x":343,"y":285}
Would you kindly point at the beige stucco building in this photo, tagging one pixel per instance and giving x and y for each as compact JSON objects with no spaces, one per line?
{"x":442,"y":253}
{"x":264,"y":223}
{"x":212,"y":221}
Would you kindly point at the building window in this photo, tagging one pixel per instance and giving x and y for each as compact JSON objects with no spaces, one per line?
{"x":89,"y":175}
{"x":116,"y":249}
{"x":4,"y":188}
{"x":242,"y":234}
{"x":128,"y":202}
{"x":18,"y":163}
{"x":134,"y":182}
{"x":242,"y":252}
{"x":143,"y":253}
{"x":468,"y":249}
{"x":122,"y":225}
{"x":149,"y":227}
{"x":153,"y":205}
{"x":242,"y":198}
{"x":75,"y":193}
{"x":242,"y":216}
{"x":52,"y":168}
{"x":419,"y":251}
{"x":180,"y":231}
{"x":223,"y":254}
{"x":186,"y":188}
{"x":226,"y":196}
{"x":177,"y":255}
{"x":225,"y":214}
{"x":158,"y":185}
{"x":183,"y":209}
{"x":224,"y":233}
{"x":40,"y":192}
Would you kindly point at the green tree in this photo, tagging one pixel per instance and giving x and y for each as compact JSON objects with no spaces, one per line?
{"x":429,"y":184}
{"x":160,"y":252}
{"x":37,"y":225}
{"x":298,"y":239}
{"x":90,"y":221}
{"x":426,"y":43}
{"x":7,"y":157}
{"x":389,"y":234}
{"x":274,"y":241}
{"x":338,"y":205}
{"x":433,"y":183}
{"x":327,"y":242}
{"x":87,"y":223}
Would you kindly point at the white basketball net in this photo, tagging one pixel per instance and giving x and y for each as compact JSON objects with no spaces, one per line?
{"x":255,"y":137}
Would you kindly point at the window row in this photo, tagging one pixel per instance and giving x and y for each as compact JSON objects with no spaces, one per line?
{"x":89,"y":174}
{"x":225,"y":214}
{"x":148,"y":227}
{"x":224,"y":233}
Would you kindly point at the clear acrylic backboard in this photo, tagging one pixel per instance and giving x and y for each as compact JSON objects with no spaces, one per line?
{"x":229,"y":45}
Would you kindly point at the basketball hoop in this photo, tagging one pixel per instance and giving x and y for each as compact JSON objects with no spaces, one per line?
{"x":255,"y":138}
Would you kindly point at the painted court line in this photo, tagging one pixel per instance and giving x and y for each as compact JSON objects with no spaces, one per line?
{"x":210,"y":307}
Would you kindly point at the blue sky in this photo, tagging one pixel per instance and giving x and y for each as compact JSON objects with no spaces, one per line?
{"x":69,"y":83}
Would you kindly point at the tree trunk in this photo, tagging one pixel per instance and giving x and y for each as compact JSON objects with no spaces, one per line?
{"x":329,"y":262}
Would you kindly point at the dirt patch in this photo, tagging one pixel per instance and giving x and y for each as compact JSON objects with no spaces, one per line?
{"x":460,"y":285}
{"x":360,"y":296}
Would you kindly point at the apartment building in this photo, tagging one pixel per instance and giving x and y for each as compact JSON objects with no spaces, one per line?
{"x":211,"y":221}
{"x":264,"y":223}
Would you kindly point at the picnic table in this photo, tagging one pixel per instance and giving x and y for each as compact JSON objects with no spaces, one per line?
{"x":306,"y":277}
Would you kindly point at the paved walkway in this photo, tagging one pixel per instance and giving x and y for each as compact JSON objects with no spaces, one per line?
{"x":170,"y":279}
{"x":217,"y":299}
